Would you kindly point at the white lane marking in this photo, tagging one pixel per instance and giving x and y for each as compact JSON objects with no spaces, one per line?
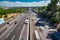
{"x":13,"y":37}
{"x":7,"y":35}
{"x":21,"y":33}
{"x":7,"y":31}
{"x":28,"y":31}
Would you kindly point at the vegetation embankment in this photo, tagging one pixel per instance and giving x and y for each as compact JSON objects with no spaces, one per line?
{"x":9,"y":13}
{"x":51,"y":12}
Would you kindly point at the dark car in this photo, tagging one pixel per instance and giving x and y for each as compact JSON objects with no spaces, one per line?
{"x":7,"y":22}
{"x":15,"y":23}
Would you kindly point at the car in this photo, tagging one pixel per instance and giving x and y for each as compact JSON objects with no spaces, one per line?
{"x":20,"y":15}
{"x":41,"y":28}
{"x":42,"y":22}
{"x":7,"y":22}
{"x":26,"y":21}
{"x":27,"y":18}
{"x":15,"y":23}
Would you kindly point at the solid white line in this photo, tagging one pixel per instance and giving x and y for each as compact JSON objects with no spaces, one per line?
{"x":21,"y":33}
{"x":6,"y":31}
{"x":13,"y":37}
{"x":28,"y":31}
{"x":7,"y":35}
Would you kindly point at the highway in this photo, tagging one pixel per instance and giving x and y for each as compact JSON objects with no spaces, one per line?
{"x":3,"y":31}
{"x":25,"y":32}
{"x":7,"y":26}
{"x":16,"y":32}
{"x":14,"y":28}
{"x":17,"y":29}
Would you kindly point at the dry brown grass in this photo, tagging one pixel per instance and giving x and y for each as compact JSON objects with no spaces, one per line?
{"x":11,"y":15}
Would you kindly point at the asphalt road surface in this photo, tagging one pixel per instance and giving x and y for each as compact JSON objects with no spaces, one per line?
{"x":17,"y":31}
{"x":8,"y":25}
{"x":14,"y":30}
{"x":24,"y":35}
{"x":3,"y":31}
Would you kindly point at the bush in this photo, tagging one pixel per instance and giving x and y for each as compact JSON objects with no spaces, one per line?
{"x":53,"y":20}
{"x":0,"y":16}
{"x":5,"y":16}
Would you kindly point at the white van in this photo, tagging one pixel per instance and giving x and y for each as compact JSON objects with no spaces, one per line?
{"x":26,"y":21}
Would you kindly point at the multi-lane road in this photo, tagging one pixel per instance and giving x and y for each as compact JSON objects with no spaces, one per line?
{"x":14,"y":29}
{"x":16,"y":32}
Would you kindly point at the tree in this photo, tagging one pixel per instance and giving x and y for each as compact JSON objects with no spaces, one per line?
{"x":52,"y":6}
{"x":58,"y":8}
{"x":10,"y":10}
{"x":40,"y":9}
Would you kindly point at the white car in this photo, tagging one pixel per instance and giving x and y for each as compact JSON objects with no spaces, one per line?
{"x":37,"y":35}
{"x":26,"y":21}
